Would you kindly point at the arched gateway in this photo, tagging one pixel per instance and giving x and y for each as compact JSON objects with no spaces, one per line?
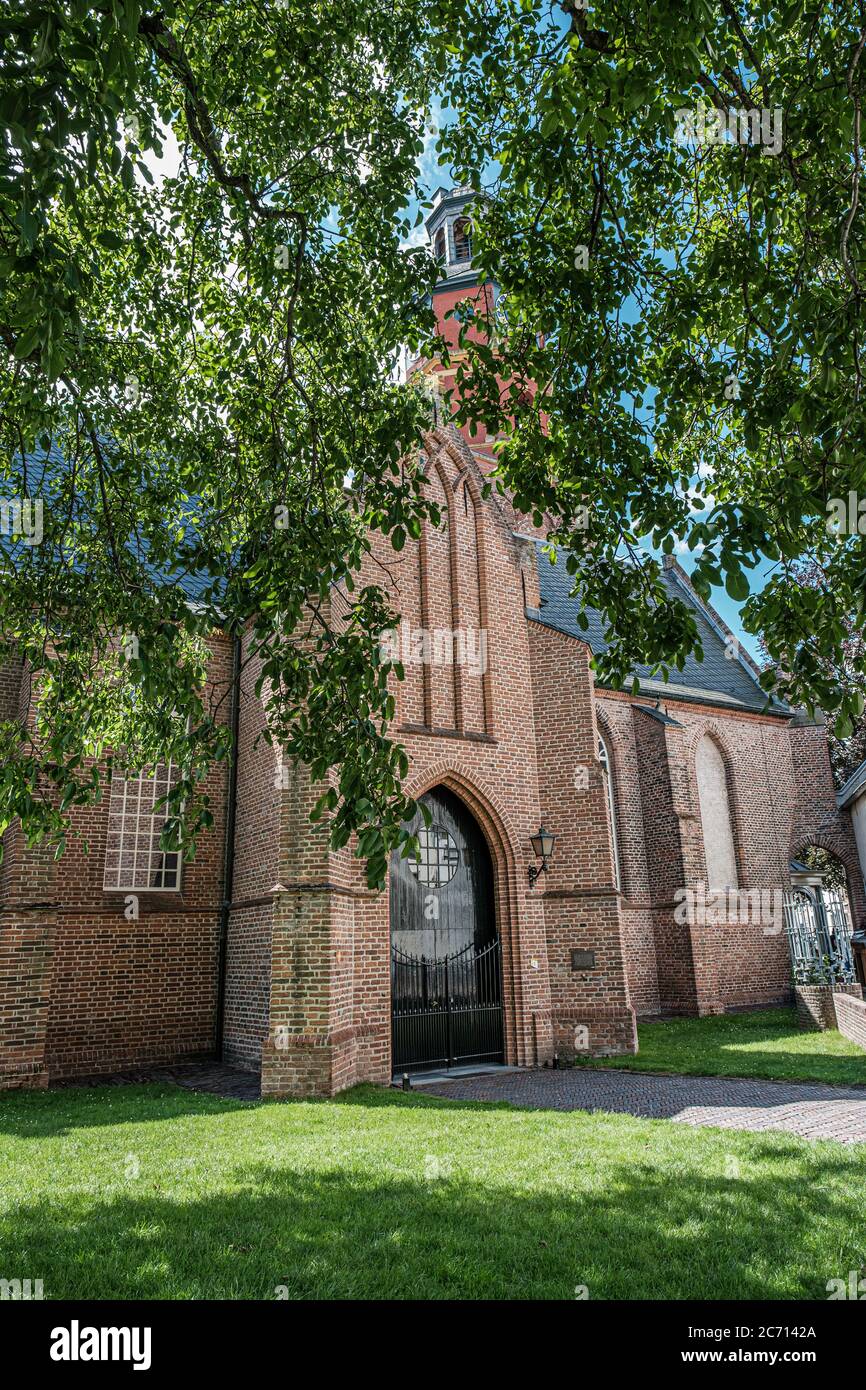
{"x":446,"y":957}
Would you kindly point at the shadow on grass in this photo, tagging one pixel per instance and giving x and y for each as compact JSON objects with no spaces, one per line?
{"x":51,"y":1113}
{"x":375,"y":1227}
{"x":377,"y":1236}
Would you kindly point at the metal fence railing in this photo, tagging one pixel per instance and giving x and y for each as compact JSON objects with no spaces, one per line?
{"x":818,"y":929}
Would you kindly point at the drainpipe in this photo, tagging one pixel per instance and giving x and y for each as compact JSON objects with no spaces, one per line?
{"x":228,"y":848}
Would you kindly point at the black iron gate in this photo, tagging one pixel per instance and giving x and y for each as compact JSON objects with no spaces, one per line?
{"x":446,"y":1012}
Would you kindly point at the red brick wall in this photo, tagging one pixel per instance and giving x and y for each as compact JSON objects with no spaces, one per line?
{"x":617,"y":726}
{"x":311,"y":1045}
{"x":781,"y":795}
{"x":816,"y":1006}
{"x":308,"y":972}
{"x":26,"y":941}
{"x":27,"y":929}
{"x":492,"y":740}
{"x":666,"y":848}
{"x":129,"y":993}
{"x":446,"y":297}
{"x":851,"y":1018}
{"x":84,"y":989}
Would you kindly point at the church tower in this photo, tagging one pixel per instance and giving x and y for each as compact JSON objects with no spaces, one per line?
{"x":460,"y":296}
{"x":450,"y":235}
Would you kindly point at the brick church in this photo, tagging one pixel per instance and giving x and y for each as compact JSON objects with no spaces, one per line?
{"x":541,"y":916}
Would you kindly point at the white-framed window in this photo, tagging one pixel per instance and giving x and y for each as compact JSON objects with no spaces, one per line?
{"x":607,"y":774}
{"x":134,"y":861}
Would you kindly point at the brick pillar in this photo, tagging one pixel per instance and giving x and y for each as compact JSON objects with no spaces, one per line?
{"x":310,"y":1048}
{"x":687,"y":954}
{"x":28,"y":924}
{"x":591,"y":1010}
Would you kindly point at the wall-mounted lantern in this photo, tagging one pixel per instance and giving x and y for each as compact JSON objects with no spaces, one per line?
{"x":542,"y":845}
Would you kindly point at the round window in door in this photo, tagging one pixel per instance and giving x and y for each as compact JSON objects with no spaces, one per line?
{"x":438,"y":857}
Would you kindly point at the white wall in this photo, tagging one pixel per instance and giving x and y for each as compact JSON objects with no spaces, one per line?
{"x":858,"y":816}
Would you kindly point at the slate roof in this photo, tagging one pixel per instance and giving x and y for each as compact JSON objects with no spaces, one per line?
{"x":718,"y":679}
{"x":45,"y":473}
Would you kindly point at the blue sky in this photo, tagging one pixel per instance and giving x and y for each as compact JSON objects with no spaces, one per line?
{"x":432,"y":174}
{"x":728,"y":609}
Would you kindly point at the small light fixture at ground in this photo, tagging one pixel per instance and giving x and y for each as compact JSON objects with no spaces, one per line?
{"x":542,"y":845}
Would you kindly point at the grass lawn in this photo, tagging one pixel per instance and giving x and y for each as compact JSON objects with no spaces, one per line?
{"x":156,"y":1192}
{"x":759,"y":1044}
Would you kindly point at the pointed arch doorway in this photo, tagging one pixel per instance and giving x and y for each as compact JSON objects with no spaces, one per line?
{"x":446,"y":956}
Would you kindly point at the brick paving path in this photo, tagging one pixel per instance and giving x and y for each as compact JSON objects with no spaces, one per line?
{"x":214,"y":1077}
{"x":811,"y":1110}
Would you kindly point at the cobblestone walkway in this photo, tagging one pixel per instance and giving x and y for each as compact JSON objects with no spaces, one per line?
{"x":812,"y":1111}
{"x":216,"y":1078}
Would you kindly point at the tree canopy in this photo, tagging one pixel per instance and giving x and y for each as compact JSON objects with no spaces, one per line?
{"x":193,"y":364}
{"x":677,"y":233}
